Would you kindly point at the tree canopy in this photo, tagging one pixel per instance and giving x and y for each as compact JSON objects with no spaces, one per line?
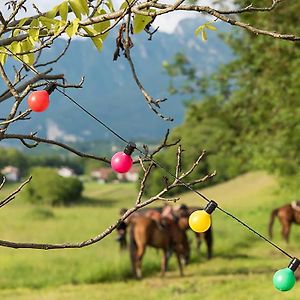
{"x":248,"y":116}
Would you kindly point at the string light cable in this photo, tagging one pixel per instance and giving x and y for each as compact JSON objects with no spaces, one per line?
{"x":279,"y":280}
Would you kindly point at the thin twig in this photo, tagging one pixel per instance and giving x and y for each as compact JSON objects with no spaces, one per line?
{"x":11,"y":196}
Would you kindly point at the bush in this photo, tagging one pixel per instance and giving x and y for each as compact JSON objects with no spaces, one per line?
{"x":47,"y":187}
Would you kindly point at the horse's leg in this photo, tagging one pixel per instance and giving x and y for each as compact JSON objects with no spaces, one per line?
{"x":164,"y":262}
{"x":179,"y":264}
{"x":139,"y":256}
{"x":198,"y":242}
{"x":285,"y":226}
{"x":208,"y":236}
{"x":133,"y":254}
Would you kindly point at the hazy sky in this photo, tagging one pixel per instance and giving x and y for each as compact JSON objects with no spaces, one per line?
{"x":166,"y":23}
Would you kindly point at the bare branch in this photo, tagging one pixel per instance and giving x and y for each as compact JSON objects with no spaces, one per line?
{"x":27,"y":84}
{"x":165,"y":8}
{"x":178,"y":164}
{"x":151,"y":102}
{"x":250,"y":8}
{"x":175,"y":199}
{"x":11,"y":196}
{"x":32,"y":137}
{"x":21,"y":116}
{"x":200,"y":180}
{"x":164,"y":144}
{"x":2,"y":183}
{"x":144,"y":179}
{"x":57,"y":58}
{"x":195,"y":164}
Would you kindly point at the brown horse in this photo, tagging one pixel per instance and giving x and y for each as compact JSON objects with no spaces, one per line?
{"x":165,"y":235}
{"x":183,"y":212}
{"x":154,"y":213}
{"x":180,"y":214}
{"x":287,"y":215}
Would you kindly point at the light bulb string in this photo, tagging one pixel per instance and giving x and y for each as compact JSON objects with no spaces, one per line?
{"x":154,"y":161}
{"x":93,"y":116}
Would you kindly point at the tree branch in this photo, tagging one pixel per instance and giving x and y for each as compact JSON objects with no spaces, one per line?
{"x":11,"y":196}
{"x":51,"y":142}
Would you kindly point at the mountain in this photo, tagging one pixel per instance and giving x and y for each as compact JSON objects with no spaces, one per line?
{"x":110,"y":91}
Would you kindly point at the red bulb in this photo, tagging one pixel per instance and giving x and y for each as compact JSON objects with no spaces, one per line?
{"x":38,"y":101}
{"x":121,"y":162}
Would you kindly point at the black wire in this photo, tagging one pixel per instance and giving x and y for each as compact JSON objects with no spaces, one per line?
{"x":93,"y":116}
{"x":158,"y":164}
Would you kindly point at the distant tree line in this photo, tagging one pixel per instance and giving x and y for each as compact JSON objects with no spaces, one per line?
{"x":23,"y":161}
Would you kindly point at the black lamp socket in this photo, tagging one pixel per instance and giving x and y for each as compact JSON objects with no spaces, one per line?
{"x":294,"y":264}
{"x":211,"y":206}
{"x":129,"y":148}
{"x":50,"y":87}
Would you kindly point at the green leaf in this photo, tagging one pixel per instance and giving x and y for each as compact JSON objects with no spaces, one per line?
{"x":210,"y":27}
{"x":110,"y":5}
{"x":15,"y":47}
{"x":72,"y":28}
{"x":34,"y":30}
{"x":84,"y":6}
{"x":140,"y":22}
{"x":198,"y":30}
{"x":58,"y":26}
{"x":125,"y":4}
{"x":16,"y":32}
{"x":53,"y":12}
{"x":98,"y":42}
{"x":63,"y":10}
{"x":47,"y":22}
{"x":3,"y":56}
{"x":100,"y":27}
{"x":26,"y":46}
{"x":76,"y":8}
{"x":22,"y":22}
{"x":203,"y":35}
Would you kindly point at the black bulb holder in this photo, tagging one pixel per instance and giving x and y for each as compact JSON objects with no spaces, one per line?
{"x":50,"y":87}
{"x":294,"y":264}
{"x":129,"y":148}
{"x":211,"y":206}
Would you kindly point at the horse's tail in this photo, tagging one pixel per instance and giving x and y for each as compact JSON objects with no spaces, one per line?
{"x":271,"y":222}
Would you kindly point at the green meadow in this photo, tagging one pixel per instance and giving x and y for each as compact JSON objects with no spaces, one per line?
{"x":242,"y":267}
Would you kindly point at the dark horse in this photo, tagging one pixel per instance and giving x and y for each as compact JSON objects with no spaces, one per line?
{"x":287,"y":214}
{"x":183,"y":212}
{"x":165,"y":235}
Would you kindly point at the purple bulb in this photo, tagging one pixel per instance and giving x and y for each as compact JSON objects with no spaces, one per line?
{"x":121,"y":162}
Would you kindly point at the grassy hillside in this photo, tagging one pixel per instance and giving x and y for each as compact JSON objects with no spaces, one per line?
{"x":242,"y":267}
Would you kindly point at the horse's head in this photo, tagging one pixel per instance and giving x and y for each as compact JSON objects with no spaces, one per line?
{"x":121,"y":231}
{"x":121,"y":238}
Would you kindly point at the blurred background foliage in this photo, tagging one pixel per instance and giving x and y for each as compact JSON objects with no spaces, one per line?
{"x":248,"y":116}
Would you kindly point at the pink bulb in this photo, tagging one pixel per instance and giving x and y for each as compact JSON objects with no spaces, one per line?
{"x":121,"y":162}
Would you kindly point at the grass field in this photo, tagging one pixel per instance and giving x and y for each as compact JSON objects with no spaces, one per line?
{"x":242,"y":267}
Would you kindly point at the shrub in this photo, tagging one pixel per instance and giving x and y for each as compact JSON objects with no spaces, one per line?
{"x":47,"y":187}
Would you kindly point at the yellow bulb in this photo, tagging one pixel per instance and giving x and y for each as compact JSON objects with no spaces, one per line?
{"x":199,"y":221}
